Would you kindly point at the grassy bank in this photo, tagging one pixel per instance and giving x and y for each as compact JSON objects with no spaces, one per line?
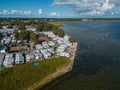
{"x":22,"y":76}
{"x":57,"y":23}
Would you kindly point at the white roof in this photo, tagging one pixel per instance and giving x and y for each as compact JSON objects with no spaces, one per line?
{"x":43,"y":51}
{"x":36,"y":51}
{"x":19,"y":57}
{"x":38,"y":45}
{"x":51,"y":43}
{"x":31,"y":29}
{"x":44,"y":43}
{"x":46,"y":54}
{"x":1,"y":56}
{"x":9,"y":60}
{"x":29,"y":56}
{"x":61,"y":47}
{"x":66,"y":54}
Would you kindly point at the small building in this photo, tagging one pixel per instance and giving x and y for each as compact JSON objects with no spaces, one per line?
{"x":36,"y":51}
{"x":4,"y":39}
{"x":54,"y":39}
{"x":43,"y":51}
{"x":61,"y":49}
{"x":31,"y":29}
{"x":50,"y":50}
{"x":8,"y":40}
{"x":6,"y":30}
{"x":66,"y":38}
{"x":47,"y":55}
{"x":59,"y":41}
{"x":68,"y":44}
{"x":9,"y":60}
{"x":38,"y":56}
{"x":45,"y":45}
{"x":38,"y":46}
{"x":65,"y":54}
{"x":63,"y":45}
{"x":50,"y":43}
{"x":59,"y":38}
{"x":19,"y":59}
{"x":29,"y":57}
{"x":3,"y":48}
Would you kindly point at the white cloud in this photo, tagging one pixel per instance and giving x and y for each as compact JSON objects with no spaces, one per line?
{"x":72,"y":15}
{"x":39,"y":11}
{"x":89,"y":7}
{"x":106,"y":6}
{"x":27,"y":12}
{"x":14,"y":11}
{"x":54,"y":14}
{"x":5,"y":12}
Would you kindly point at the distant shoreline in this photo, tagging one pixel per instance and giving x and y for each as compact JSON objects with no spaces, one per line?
{"x":63,"y":19}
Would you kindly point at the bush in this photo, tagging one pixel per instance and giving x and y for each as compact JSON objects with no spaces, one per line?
{"x":59,"y":32}
{"x":72,"y":40}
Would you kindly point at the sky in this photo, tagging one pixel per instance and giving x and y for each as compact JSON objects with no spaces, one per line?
{"x":60,"y":8}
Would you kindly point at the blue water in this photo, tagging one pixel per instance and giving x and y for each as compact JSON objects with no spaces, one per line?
{"x":97,"y":64}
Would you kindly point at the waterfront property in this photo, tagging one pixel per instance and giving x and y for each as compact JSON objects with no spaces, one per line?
{"x":44,"y":50}
{"x":29,"y":57}
{"x":65,"y":54}
{"x":38,"y":46}
{"x":9,"y":60}
{"x":47,"y":46}
{"x":19,"y":59}
{"x":46,"y":59}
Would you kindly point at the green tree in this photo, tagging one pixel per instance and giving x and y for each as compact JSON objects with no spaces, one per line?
{"x":31,"y":22}
{"x":16,"y":35}
{"x":21,"y":36}
{"x":1,"y":26}
{"x":55,"y":31}
{"x":39,"y":27}
{"x":72,"y":40}
{"x":33,"y":37}
{"x":24,"y":34}
{"x":61,"y":33}
{"x":21,"y":26}
{"x":10,"y":26}
{"x":44,"y":26}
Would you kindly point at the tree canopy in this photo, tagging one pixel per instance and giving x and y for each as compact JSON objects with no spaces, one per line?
{"x":33,"y":37}
{"x":26,"y":35}
{"x":72,"y":40}
{"x":1,"y":26}
{"x":21,"y":26}
{"x":59,"y":32}
{"x":44,"y":26}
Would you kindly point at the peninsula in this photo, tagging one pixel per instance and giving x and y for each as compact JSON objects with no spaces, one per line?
{"x":33,"y":53}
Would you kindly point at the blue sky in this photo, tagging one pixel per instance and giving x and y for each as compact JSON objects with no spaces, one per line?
{"x":60,"y":8}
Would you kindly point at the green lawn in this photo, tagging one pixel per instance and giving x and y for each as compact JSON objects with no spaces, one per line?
{"x":22,"y":76}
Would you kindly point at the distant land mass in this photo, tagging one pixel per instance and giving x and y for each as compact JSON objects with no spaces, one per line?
{"x":63,"y":19}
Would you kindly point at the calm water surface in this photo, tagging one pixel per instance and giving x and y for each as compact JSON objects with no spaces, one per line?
{"x":97,"y":64}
